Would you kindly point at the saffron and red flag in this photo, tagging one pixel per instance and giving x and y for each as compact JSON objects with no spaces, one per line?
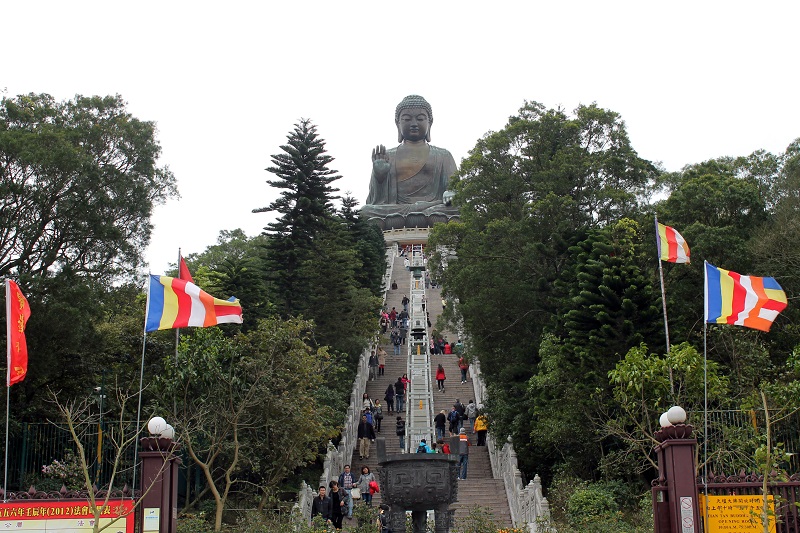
{"x":17,"y":314}
{"x":177,"y":303}
{"x":672,"y":246}
{"x":183,"y":270}
{"x":749,"y":301}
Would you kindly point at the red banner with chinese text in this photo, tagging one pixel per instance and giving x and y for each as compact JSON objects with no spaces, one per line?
{"x":67,"y":516}
{"x":17,"y":314}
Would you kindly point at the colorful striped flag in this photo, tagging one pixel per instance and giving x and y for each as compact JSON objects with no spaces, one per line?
{"x":17,"y":314}
{"x":747,"y":301}
{"x":672,"y":246}
{"x":177,"y":303}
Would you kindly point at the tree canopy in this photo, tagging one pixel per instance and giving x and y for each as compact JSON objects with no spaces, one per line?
{"x":78,"y":182}
{"x":555,"y":274}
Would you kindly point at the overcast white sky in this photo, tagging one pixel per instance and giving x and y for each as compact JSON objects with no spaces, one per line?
{"x":226,"y":81}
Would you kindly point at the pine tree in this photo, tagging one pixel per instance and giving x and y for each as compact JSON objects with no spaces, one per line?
{"x":304,"y":206}
{"x":368,"y":241}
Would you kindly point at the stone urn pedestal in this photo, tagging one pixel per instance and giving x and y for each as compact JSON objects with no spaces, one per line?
{"x":418,"y":482}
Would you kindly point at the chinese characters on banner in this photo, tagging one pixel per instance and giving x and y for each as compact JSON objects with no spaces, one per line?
{"x":17,"y":314}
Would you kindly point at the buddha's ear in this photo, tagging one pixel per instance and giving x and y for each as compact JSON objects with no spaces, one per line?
{"x":399,"y":134}
{"x":428,"y":135}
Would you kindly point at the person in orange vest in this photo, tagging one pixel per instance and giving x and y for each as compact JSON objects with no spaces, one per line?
{"x":463,"y":453}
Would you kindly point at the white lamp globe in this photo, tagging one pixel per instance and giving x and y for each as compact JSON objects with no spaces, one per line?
{"x":156,"y":426}
{"x":664,"y":421}
{"x":676,"y":415}
{"x":169,"y":432}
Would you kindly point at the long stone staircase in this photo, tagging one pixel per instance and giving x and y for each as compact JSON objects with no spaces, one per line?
{"x":480,"y":489}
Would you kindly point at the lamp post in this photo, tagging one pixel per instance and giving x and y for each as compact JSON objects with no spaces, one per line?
{"x":101,"y":395}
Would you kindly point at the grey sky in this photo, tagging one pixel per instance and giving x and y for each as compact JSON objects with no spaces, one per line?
{"x":226,"y":81}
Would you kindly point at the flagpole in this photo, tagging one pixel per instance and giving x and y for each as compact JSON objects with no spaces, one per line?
{"x":705,"y":383}
{"x":664,"y":306}
{"x":8,"y":385}
{"x":5,"y":461}
{"x":141,"y":385}
{"x":177,"y":336}
{"x":178,"y":330}
{"x":705,"y":412}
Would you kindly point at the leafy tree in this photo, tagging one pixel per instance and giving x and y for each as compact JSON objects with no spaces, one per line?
{"x":646,"y":385}
{"x":245,"y":407}
{"x":304,"y":208}
{"x":79,"y":180}
{"x":775,"y":246}
{"x":528,"y":193}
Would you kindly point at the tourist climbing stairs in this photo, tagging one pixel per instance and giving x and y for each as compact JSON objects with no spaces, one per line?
{"x":479,"y":489}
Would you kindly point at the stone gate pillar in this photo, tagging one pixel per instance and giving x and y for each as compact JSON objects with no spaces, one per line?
{"x":679,"y":512}
{"x":160,"y":475}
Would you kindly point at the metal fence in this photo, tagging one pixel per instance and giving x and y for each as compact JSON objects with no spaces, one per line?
{"x":734,"y":435}
{"x":36,"y":445}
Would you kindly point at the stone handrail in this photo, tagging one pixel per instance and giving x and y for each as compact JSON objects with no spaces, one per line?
{"x":527,"y":504}
{"x":338,"y":456}
{"x":305,"y":498}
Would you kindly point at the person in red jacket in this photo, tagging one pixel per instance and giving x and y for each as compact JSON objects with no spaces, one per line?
{"x":463,"y":365}
{"x":440,"y":378}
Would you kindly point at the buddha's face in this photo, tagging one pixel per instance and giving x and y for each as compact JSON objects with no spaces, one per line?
{"x":414,"y":124}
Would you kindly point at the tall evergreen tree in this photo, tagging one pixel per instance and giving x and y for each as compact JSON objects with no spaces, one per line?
{"x":369,"y":244}
{"x":305,"y":207}
{"x":608,"y":307}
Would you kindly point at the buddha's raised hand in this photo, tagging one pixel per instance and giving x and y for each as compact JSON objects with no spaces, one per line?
{"x":380,"y":161}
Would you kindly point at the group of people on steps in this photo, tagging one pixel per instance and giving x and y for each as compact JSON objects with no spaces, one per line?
{"x":336,"y":505}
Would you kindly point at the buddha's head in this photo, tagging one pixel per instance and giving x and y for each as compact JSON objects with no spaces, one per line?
{"x":413,"y":117}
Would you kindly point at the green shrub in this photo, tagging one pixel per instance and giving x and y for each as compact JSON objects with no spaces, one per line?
{"x":590,"y":503}
{"x":194,"y":523}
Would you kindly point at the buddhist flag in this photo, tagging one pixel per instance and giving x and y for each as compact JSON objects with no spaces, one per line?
{"x":183,"y":270}
{"x":672,"y":246}
{"x":17,"y":314}
{"x":177,"y":303}
{"x":747,"y":301}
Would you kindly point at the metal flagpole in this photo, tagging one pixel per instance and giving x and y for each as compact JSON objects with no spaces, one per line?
{"x":664,"y":306}
{"x":141,"y":384}
{"x":705,"y":412}
{"x":705,"y":383}
{"x":5,"y":461}
{"x":8,"y":385}
{"x":177,"y":337}
{"x":178,"y":330}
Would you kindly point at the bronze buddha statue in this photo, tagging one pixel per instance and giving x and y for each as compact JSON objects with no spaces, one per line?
{"x":410,"y":181}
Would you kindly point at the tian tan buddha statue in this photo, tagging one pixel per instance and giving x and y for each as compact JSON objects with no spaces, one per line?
{"x":408,"y":187}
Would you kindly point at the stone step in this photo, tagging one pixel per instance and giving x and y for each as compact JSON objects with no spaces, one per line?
{"x":479,"y":489}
